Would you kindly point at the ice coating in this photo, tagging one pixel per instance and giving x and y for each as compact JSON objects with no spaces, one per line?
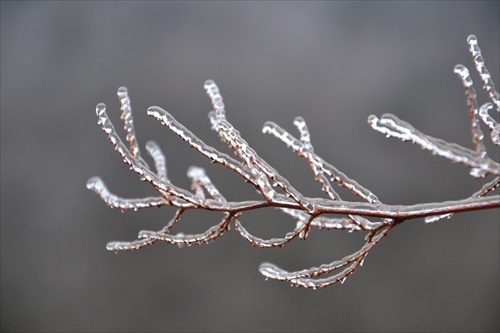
{"x":485,"y":189}
{"x":97,"y":185}
{"x":392,"y":126}
{"x":320,"y":165}
{"x":128,"y":246}
{"x":128,"y":122}
{"x":305,"y":137}
{"x":181,"y":240}
{"x":493,"y":125}
{"x":159,"y":159}
{"x":233,"y":139}
{"x":147,"y":237}
{"x":332,"y":213}
{"x":137,"y":166}
{"x":320,"y":175}
{"x":266,"y":243}
{"x":240,"y":147}
{"x":489,"y":86}
{"x":304,"y":277}
{"x":470,"y":91}
{"x":354,"y":223}
{"x":213,"y":154}
{"x":198,"y":175}
{"x":258,"y":166}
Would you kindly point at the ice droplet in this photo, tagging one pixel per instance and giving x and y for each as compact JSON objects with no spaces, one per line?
{"x":100,"y":108}
{"x":495,"y":135}
{"x":461,"y":70}
{"x":195,"y":172}
{"x":477,"y":173}
{"x":310,"y":284}
{"x":472,"y":39}
{"x":372,"y":119}
{"x":208,"y":84}
{"x":432,"y":219}
{"x":94,"y":183}
{"x":122,"y":91}
{"x":372,"y":198}
{"x":219,"y":105}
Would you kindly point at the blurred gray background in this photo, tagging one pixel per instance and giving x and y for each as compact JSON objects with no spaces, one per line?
{"x":334,"y":63}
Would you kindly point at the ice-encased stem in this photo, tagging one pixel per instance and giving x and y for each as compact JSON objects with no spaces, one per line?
{"x":305,"y":278}
{"x":478,"y":59}
{"x":470,"y":91}
{"x":97,"y":185}
{"x":392,"y":126}
{"x":258,"y":166}
{"x":213,"y":154}
{"x":128,"y":123}
{"x":319,"y":174}
{"x":320,"y":164}
{"x":136,"y":165}
{"x":159,"y":159}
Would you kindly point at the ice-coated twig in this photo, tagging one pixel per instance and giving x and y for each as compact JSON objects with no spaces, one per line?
{"x":489,"y":86}
{"x":390,"y":125}
{"x":478,"y":60}
{"x":128,"y":123}
{"x":492,"y":124}
{"x":487,"y":188}
{"x":320,"y":165}
{"x":305,"y":278}
{"x":180,"y":239}
{"x":470,"y":92}
{"x":481,"y":165}
{"x":259,"y":167}
{"x":159,"y":159}
{"x":213,"y":154}
{"x":143,"y":241}
{"x":136,"y":165}
{"x":320,"y":174}
{"x":321,"y":169}
{"x":330,"y":213}
{"x":301,"y":230}
{"x":97,"y":185}
{"x":321,"y":177}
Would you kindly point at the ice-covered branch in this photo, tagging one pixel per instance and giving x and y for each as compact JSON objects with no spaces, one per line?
{"x":368,"y":215}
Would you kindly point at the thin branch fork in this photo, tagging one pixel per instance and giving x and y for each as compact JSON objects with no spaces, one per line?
{"x":369,"y":215}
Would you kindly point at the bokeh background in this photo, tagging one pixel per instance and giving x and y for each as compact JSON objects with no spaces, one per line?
{"x":334,"y":63}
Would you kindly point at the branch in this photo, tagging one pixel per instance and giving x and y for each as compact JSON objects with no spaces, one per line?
{"x":370,"y":215}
